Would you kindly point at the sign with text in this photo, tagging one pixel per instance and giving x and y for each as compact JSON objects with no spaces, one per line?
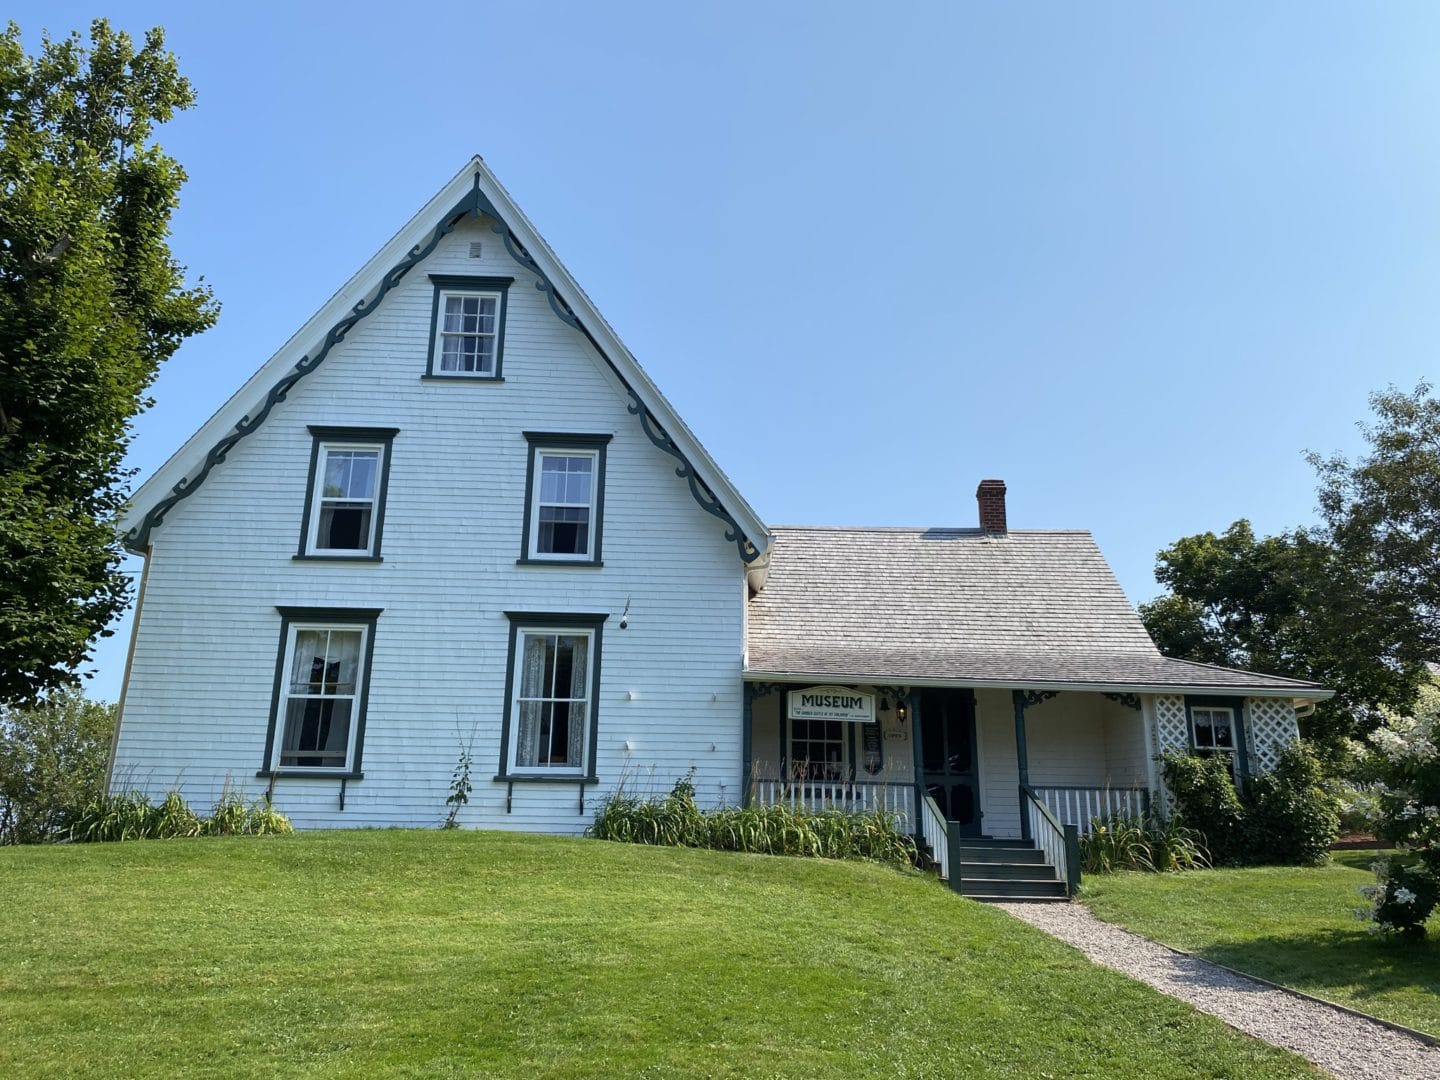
{"x":832,"y":703}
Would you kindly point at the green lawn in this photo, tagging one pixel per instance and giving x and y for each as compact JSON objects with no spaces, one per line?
{"x":1289,"y":925}
{"x":462,"y":953}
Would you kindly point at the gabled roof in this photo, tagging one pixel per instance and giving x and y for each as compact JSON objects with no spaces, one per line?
{"x":1030,"y":608}
{"x":473,"y":191}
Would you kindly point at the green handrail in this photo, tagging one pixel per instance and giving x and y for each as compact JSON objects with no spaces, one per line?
{"x":1069,"y":838}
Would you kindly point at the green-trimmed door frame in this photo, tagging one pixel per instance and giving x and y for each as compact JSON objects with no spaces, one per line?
{"x":964,"y":699}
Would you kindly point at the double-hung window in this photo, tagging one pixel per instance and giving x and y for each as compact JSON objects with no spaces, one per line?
{"x":467,"y":327}
{"x":318,"y":715}
{"x":345,"y":497}
{"x":565,"y":498}
{"x":550,"y":720}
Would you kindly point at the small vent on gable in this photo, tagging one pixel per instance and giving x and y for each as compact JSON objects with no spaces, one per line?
{"x":475,"y":250}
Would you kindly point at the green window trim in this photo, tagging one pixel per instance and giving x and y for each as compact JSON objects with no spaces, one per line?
{"x":531,"y":778}
{"x":466,"y":283}
{"x":322,"y":434}
{"x":562,"y":441}
{"x":1236,"y":705}
{"x":594,"y":624}
{"x":367,"y":617}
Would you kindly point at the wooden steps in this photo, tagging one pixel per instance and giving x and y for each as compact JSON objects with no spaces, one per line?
{"x":1012,"y":871}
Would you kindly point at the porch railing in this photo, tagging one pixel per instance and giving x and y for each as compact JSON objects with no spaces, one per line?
{"x":898,"y":798}
{"x":1060,"y":843}
{"x":935,"y":831}
{"x":1079,"y":806}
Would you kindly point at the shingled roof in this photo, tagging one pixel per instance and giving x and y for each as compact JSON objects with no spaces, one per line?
{"x":1027,"y":608}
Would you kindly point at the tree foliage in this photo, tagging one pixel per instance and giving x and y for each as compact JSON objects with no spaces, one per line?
{"x":1293,"y":605}
{"x":52,"y":763}
{"x":1382,"y":510}
{"x":91,"y":303}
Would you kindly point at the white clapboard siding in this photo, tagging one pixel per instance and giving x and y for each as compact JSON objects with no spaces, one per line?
{"x":999,"y":771}
{"x":200,"y":688}
{"x":1064,"y":738}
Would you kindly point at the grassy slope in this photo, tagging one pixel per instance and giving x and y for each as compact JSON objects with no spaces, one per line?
{"x":1292,"y":926}
{"x":406,"y":953}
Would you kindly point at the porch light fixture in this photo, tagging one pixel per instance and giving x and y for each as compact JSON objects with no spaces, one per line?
{"x":902,"y":711}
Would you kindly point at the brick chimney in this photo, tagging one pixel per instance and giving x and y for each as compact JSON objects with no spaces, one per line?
{"x":991,"y":497}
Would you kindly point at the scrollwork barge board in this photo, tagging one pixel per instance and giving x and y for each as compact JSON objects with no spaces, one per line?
{"x":473,"y":205}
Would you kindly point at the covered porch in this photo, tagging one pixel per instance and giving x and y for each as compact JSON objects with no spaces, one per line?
{"x":980,"y":754}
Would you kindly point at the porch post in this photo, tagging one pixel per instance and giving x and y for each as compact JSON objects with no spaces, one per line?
{"x":913,"y":700}
{"x":1155,"y":798}
{"x":747,"y":725}
{"x":1022,"y":760}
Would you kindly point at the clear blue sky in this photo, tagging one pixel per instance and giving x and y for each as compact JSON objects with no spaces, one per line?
{"x":1134,"y":259}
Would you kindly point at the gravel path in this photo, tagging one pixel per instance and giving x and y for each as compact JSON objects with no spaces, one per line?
{"x":1333,"y":1039}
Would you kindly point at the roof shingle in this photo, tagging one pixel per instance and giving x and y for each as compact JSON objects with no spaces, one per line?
{"x":1030,"y":607}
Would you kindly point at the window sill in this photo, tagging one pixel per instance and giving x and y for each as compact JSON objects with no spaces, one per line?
{"x":309,"y":774}
{"x":559,"y":562}
{"x":536,"y":778}
{"x":338,"y":558}
{"x":463,"y":378}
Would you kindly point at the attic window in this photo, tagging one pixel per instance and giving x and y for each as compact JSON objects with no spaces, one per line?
{"x":467,"y":327}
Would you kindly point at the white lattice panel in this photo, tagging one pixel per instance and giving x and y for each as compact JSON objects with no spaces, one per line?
{"x":1271,"y":728}
{"x":1171,"y":731}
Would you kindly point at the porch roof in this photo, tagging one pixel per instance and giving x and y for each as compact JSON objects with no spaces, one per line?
{"x":1031,"y":608}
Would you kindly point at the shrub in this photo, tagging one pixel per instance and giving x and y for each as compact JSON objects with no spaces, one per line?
{"x":1403,"y":899}
{"x":131,"y":816}
{"x":52,"y":763}
{"x":1205,"y":798}
{"x":122,"y":816}
{"x":1292,"y":819}
{"x":1358,"y":805}
{"x":228,"y":816}
{"x":172,"y":818}
{"x":1284,"y":816}
{"x":262,"y":819}
{"x":1123,"y":843}
{"x":676,"y":821}
{"x":1405,"y":763}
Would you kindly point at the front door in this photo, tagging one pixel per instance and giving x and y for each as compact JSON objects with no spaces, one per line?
{"x":946,"y":727}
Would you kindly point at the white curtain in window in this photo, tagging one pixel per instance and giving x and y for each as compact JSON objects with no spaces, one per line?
{"x":533,"y":685}
{"x":578,"y":689}
{"x":325,"y":662}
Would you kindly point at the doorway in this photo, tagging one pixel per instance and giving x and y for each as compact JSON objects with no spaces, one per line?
{"x":946,"y":729}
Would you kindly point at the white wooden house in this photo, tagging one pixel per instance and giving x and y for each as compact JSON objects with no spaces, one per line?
{"x":453,"y":512}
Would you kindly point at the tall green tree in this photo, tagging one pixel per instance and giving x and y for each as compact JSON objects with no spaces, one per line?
{"x":1382,"y":510}
{"x":91,"y":303}
{"x":1293,"y":604}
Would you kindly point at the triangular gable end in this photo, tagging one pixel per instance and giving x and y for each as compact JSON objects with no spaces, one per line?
{"x":473,"y":192}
